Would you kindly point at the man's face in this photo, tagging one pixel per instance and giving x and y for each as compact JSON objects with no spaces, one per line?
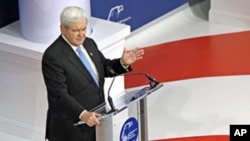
{"x":75,"y":33}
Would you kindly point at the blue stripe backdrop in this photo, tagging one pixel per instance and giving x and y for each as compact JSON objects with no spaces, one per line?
{"x":135,"y":13}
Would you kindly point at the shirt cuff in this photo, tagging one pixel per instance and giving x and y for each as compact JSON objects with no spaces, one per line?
{"x":123,"y":65}
{"x":82,"y":114}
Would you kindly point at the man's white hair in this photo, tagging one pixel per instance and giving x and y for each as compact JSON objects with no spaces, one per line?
{"x":72,"y":14}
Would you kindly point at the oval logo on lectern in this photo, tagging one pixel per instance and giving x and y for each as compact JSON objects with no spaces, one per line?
{"x":129,"y":130}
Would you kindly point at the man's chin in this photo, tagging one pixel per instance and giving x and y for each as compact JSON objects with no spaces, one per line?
{"x":79,"y":43}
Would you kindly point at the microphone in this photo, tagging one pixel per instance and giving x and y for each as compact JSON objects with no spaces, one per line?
{"x":152,"y":83}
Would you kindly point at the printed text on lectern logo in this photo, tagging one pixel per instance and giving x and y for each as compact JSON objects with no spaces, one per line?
{"x":239,"y":132}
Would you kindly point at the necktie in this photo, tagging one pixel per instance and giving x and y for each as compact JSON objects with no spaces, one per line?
{"x":87,"y":64}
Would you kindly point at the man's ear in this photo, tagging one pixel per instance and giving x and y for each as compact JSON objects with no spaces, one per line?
{"x":62,"y":28}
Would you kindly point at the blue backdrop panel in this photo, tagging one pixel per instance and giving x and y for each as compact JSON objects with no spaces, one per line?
{"x":135,"y":13}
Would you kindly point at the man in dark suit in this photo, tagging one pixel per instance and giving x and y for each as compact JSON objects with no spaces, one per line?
{"x":72,"y":91}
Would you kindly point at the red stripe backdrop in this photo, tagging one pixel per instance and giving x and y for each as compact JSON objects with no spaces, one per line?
{"x":218,"y":55}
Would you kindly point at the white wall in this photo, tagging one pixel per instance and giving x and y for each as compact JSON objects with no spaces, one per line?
{"x":230,"y":12}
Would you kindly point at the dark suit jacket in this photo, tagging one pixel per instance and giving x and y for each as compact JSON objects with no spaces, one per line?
{"x":71,"y":89}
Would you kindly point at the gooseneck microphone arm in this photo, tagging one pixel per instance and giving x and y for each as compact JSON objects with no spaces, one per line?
{"x":110,"y":100}
{"x":152,"y":81}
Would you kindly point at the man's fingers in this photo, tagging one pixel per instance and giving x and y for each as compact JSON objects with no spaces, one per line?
{"x":97,"y":121}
